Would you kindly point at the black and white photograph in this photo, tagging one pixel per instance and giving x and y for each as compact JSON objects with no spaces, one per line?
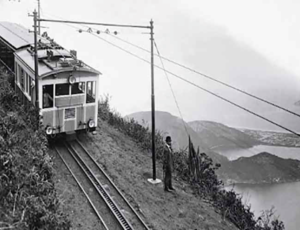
{"x":149,"y":115}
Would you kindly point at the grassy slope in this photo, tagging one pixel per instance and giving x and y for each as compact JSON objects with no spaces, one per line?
{"x":130,"y":168}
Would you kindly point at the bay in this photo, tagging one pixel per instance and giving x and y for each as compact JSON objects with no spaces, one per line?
{"x":284,"y":197}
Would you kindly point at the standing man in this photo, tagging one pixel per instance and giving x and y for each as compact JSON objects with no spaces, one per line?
{"x":168,"y":164}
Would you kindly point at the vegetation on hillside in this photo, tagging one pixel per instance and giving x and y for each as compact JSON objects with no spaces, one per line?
{"x":199,"y":171}
{"x":28,"y":198}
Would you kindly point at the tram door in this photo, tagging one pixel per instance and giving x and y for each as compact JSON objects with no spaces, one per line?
{"x":70,"y":119}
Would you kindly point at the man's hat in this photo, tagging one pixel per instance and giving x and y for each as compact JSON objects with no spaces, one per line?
{"x":168,"y":138}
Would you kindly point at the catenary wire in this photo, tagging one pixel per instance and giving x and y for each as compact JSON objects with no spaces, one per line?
{"x":206,"y":76}
{"x":214,"y":133}
{"x":253,"y":153}
{"x":176,"y":102}
{"x":220,"y":97}
{"x":210,"y":78}
{"x":197,"y":86}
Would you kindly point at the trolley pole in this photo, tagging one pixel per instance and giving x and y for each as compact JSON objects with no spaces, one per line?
{"x":36,"y":68}
{"x":152,"y":103}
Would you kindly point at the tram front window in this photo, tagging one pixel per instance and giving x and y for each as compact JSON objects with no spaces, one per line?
{"x":62,"y":89}
{"x":47,"y":96}
{"x":78,"y":88}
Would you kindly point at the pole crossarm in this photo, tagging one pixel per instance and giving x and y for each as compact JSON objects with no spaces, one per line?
{"x":93,"y":23}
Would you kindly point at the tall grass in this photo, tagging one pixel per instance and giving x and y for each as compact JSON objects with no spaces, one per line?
{"x":28,"y":198}
{"x":197,"y":170}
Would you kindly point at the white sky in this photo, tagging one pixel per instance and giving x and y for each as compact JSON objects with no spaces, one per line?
{"x":253,"y":45}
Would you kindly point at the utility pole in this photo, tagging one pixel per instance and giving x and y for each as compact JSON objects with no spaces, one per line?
{"x":152,"y":104}
{"x":36,"y":67}
{"x":152,"y":180}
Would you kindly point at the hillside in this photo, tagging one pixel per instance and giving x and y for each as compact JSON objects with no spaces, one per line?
{"x":265,"y":168}
{"x":28,"y":198}
{"x":207,"y":134}
{"x":169,"y":125}
{"x":175,"y":127}
{"x":130,"y":167}
{"x":221,"y":137}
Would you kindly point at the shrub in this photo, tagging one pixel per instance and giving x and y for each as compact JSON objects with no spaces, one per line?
{"x":28,"y":198}
{"x":196,"y":169}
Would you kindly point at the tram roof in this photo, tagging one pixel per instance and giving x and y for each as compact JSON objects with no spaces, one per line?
{"x":47,"y":67}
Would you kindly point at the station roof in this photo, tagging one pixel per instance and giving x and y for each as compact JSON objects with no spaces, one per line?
{"x":21,"y":41}
{"x":15,"y":35}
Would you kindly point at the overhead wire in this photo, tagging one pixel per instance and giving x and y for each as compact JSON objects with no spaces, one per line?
{"x":184,"y":124}
{"x":203,"y":89}
{"x":205,"y":75}
{"x":173,"y":93}
{"x":210,"y":78}
{"x":170,"y":85}
{"x":197,"y":86}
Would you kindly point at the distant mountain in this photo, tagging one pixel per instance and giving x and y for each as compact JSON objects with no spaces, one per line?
{"x":261,"y":168}
{"x":175,"y":127}
{"x":221,"y":137}
{"x":264,"y":168}
{"x":274,"y":138}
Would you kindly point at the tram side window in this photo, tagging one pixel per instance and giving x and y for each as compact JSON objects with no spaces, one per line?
{"x":62,"y":89}
{"x":78,"y":88}
{"x":47,"y":96}
{"x":91,"y":92}
{"x":29,"y":86}
{"x":26,"y":82}
{"x":22,"y":73}
{"x":16,"y":72}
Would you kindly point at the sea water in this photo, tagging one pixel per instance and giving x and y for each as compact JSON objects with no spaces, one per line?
{"x":284,"y":197}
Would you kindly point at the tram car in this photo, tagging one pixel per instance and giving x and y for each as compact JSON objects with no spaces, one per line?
{"x":67,"y":87}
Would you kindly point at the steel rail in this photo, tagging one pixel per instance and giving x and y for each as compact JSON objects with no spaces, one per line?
{"x":99,"y":187}
{"x":81,"y":187}
{"x":113,"y":185}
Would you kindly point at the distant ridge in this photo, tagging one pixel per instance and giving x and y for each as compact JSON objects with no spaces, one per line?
{"x":222,"y":137}
{"x":261,"y":168}
{"x":264,"y":168}
{"x":174,"y":126}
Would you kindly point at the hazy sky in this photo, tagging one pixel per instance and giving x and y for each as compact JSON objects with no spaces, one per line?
{"x":253,"y":45}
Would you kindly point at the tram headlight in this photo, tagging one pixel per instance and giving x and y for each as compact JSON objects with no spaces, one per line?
{"x":49,"y":130}
{"x":91,"y":123}
{"x":72,"y":79}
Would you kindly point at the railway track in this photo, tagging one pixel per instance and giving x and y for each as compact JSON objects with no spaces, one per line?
{"x":107,"y":201}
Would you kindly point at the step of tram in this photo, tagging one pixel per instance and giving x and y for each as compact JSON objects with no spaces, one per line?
{"x":70,"y":136}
